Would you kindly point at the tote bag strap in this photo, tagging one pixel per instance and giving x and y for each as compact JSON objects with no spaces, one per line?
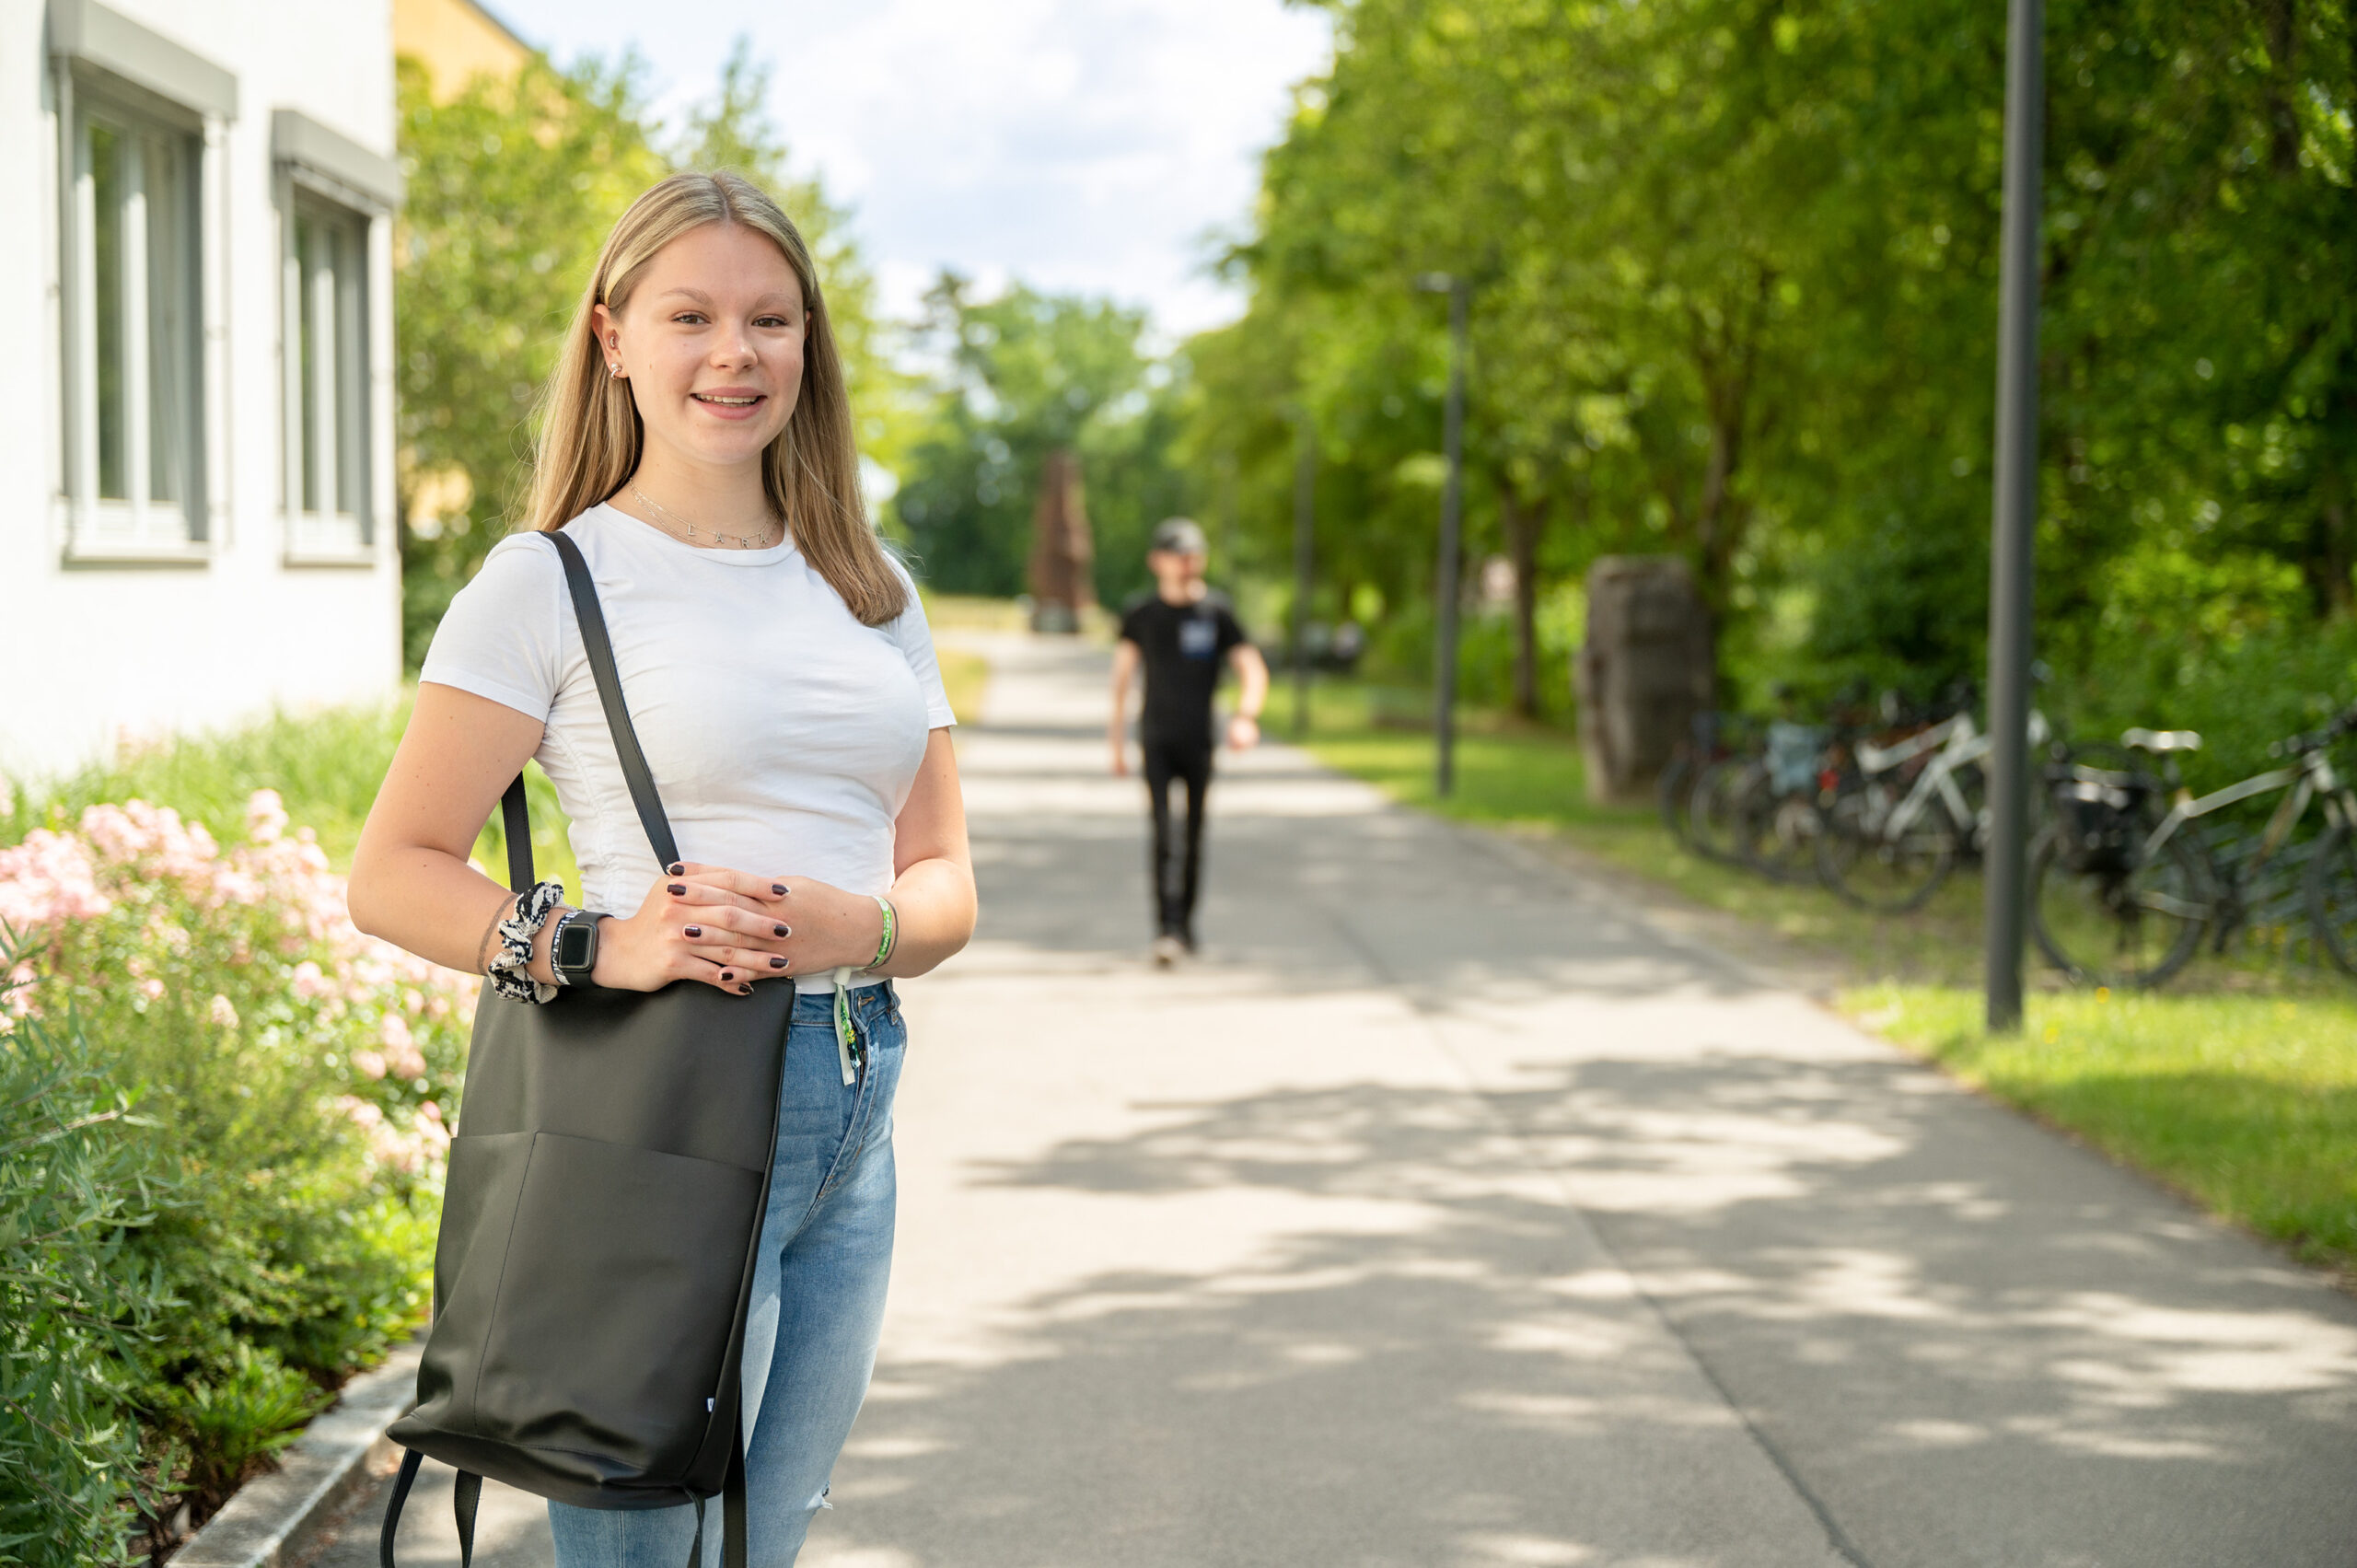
{"x":466,"y":1498}
{"x":515,"y":816}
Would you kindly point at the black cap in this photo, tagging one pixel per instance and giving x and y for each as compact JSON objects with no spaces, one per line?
{"x":1178,"y":536}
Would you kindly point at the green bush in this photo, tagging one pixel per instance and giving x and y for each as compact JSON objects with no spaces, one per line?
{"x":292,"y":1077}
{"x":235,"y":1421}
{"x":1400,"y":651}
{"x":77,"y":1300}
{"x":325,"y":765}
{"x":2243,"y":692}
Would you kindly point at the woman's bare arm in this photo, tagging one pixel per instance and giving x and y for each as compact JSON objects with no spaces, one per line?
{"x":933,"y":882}
{"x":411,"y":881}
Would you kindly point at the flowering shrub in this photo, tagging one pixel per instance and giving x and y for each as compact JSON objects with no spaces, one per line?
{"x":141,"y":916}
{"x":298,"y":1081}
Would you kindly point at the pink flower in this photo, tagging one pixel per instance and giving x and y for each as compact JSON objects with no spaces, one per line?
{"x":222,"y":1013}
{"x":369,"y":1063}
{"x":232,"y":885}
{"x":401,"y":1055}
{"x":265,"y":816}
{"x":309,"y":983}
{"x":47,"y":878}
{"x":151,"y":987}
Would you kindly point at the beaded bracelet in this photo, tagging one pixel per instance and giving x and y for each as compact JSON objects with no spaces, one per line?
{"x":891,"y":936}
{"x":510,"y":974}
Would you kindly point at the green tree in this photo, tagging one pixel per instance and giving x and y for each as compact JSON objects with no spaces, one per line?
{"x":512,"y":186}
{"x":1019,"y":377}
{"x":1737,"y":292}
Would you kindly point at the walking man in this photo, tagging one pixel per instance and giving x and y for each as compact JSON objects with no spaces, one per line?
{"x":1181,"y":635}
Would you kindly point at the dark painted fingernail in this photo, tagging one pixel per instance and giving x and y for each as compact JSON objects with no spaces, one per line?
{"x":725,"y":975}
{"x":778,"y":888}
{"x":695,"y":930}
{"x":744,"y":991}
{"x":679,"y":887}
{"x":675,"y":868}
{"x":777,"y":963}
{"x":782,"y":931}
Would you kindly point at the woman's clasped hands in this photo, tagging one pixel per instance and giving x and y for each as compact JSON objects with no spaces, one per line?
{"x":730,"y":929}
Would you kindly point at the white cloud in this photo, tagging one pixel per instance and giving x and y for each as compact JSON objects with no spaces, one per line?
{"x":1085,"y":145}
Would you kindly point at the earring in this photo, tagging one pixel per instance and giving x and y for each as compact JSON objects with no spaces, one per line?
{"x":615,"y":371}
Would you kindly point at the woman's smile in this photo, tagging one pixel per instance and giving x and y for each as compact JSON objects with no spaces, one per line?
{"x":731,"y":402}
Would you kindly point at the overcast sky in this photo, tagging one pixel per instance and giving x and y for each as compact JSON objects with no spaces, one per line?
{"x":1080,"y":144}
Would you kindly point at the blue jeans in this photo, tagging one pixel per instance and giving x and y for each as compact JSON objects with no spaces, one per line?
{"x":817,"y":1302}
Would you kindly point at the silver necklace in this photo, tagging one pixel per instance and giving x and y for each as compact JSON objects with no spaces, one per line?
{"x":730,"y":541}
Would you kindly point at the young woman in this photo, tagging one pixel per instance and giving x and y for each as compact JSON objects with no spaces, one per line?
{"x":697,"y":447}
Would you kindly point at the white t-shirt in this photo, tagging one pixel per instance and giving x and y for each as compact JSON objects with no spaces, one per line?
{"x":783,"y":736}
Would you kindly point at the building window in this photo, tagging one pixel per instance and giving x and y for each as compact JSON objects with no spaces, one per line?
{"x":136,"y":441}
{"x":326,"y":334}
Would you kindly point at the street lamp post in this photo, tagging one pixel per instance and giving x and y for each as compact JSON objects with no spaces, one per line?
{"x":1227,"y":557}
{"x":1305,"y":517}
{"x":1452,"y":501}
{"x":2015,"y":524}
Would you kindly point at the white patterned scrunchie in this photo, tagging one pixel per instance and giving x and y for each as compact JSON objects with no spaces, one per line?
{"x":510,"y":976}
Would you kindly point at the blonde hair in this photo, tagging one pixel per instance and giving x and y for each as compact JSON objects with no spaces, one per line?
{"x":591,"y":437}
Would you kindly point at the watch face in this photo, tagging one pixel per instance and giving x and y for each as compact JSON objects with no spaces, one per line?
{"x":575,"y":944}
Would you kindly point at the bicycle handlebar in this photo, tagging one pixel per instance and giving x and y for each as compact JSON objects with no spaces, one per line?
{"x":2342,"y":724}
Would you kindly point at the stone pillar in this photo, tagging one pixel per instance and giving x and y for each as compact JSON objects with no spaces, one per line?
{"x":1643,"y":674}
{"x":1062,"y":584}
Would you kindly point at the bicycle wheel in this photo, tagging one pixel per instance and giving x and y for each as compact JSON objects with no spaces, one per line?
{"x":1777,"y":833}
{"x":1676,"y":793}
{"x":2131,"y":929}
{"x":2332,"y":898}
{"x":1711,"y":817}
{"x":1872,"y":865}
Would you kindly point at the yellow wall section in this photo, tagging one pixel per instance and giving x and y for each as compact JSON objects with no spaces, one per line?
{"x":456,"y":40}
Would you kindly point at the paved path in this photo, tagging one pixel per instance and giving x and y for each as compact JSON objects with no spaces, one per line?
{"x":1447,"y":1214}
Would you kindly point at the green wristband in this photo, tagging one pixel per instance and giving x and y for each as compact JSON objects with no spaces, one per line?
{"x":891,"y":936}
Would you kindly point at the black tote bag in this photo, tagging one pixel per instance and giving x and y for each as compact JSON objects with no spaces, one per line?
{"x":599,"y":1220}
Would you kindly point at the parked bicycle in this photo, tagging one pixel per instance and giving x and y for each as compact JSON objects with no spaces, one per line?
{"x":1757,"y":806}
{"x":1902,"y":815}
{"x":1716,"y":736}
{"x":2127,"y":880}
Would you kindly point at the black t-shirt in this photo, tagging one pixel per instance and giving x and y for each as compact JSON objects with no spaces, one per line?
{"x":1184,"y":645}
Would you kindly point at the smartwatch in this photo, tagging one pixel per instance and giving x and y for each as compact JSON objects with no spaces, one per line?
{"x":573,"y":951}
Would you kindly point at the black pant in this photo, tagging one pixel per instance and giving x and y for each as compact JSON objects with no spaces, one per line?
{"x":1174,"y":884}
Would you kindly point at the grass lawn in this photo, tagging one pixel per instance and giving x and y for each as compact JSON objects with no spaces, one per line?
{"x":2237,"y":1085}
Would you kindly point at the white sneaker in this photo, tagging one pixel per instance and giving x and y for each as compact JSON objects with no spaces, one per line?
{"x":1167,"y":951}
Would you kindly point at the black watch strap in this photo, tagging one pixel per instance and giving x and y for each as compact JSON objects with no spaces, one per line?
{"x":574,"y":973}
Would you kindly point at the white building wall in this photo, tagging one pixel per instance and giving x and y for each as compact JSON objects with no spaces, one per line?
{"x":91,"y":654}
